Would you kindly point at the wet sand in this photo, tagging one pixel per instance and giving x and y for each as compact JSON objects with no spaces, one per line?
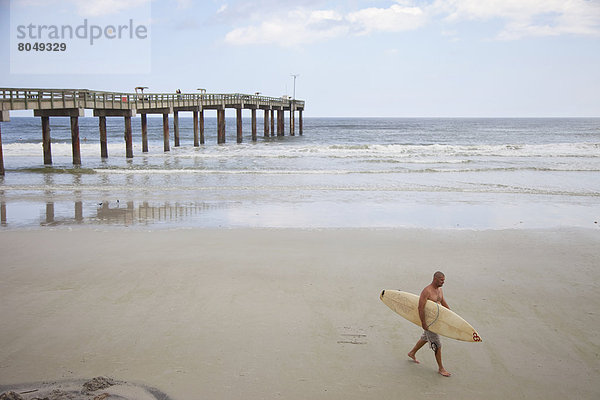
{"x":295,"y":314}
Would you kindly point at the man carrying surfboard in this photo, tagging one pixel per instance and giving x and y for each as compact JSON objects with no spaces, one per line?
{"x":432,"y":292}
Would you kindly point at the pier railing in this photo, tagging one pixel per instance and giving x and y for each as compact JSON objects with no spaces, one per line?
{"x":43,"y":99}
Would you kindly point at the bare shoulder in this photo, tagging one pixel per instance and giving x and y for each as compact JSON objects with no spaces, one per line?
{"x":426,"y":292}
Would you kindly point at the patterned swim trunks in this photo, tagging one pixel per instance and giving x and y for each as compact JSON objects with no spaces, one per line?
{"x":433,"y":339}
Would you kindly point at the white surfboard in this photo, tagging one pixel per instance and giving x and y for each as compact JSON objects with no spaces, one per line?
{"x":439,"y":319}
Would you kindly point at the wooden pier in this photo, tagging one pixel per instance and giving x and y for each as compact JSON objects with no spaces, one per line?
{"x":72,"y":103}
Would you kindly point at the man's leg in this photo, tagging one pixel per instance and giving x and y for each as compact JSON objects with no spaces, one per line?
{"x":438,"y":358}
{"x":413,"y":352}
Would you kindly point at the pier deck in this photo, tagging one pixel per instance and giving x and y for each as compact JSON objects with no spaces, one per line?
{"x":72,"y":103}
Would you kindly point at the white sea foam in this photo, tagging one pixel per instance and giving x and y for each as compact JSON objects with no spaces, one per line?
{"x":588,"y":150}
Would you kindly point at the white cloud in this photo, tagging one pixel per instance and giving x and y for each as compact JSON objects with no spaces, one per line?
{"x":521,"y":18}
{"x":526,"y":17}
{"x":306,"y":26}
{"x":297,"y":26}
{"x":396,"y":18}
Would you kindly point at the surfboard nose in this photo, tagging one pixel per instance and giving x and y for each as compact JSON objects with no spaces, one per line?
{"x":381,"y":295}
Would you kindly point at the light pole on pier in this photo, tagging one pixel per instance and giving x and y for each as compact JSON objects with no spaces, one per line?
{"x":295,"y":76}
{"x":293,"y":106}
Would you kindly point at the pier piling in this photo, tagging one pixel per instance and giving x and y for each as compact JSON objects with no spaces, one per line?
{"x":238,"y":112}
{"x":292,"y":127}
{"x":221,"y":126}
{"x":128,"y":137}
{"x":102,"y":113}
{"x":46,"y":142}
{"x":74,"y":113}
{"x":266,"y":123}
{"x":253,"y":111}
{"x":4,"y":117}
{"x":280,"y":123}
{"x":1,"y":156}
{"x":103,"y":139}
{"x":176,"y":128}
{"x":166,"y":145}
{"x":75,"y":140}
{"x":201,"y":121}
{"x":272,"y":122}
{"x":144,"y":119}
{"x":195,"y":122}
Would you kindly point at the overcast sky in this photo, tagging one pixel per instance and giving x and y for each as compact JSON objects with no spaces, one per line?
{"x":436,"y":58}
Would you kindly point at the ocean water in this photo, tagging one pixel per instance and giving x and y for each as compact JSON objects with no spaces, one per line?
{"x":342,"y":172}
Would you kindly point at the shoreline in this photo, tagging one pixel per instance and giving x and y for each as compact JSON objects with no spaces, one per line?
{"x":323,"y":214}
{"x":268,"y":312}
{"x":593,"y":228}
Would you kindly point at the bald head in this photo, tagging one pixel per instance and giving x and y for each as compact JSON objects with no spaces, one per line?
{"x":438,"y":279}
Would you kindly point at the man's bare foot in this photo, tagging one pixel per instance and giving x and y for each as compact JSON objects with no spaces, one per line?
{"x":412,"y":355}
{"x":443,"y":372}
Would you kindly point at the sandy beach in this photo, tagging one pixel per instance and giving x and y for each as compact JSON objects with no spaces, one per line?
{"x":295,"y":314}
